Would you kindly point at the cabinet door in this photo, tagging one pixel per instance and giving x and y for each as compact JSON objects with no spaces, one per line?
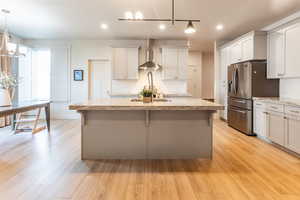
{"x":292,"y":49}
{"x":182,"y":63}
{"x":293,"y":134}
{"x":276,"y":128}
{"x":170,"y":63}
{"x":259,"y":121}
{"x":120,"y":61}
{"x":247,"y":46}
{"x":236,"y":52}
{"x":275,"y":55}
{"x":132,"y":64}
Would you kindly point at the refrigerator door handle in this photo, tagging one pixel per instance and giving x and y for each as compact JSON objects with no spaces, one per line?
{"x":233,"y":80}
{"x":236,"y":80}
{"x":239,"y":111}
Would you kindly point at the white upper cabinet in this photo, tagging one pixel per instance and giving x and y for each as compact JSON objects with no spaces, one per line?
{"x":247,"y":48}
{"x":174,"y":63}
{"x":292,"y":49}
{"x":252,"y":46}
{"x":125,"y":63}
{"x":236,"y":52}
{"x":283,"y":52}
{"x":275,"y":54}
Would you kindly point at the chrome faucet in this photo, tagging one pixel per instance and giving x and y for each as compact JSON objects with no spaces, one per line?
{"x":150,"y":82}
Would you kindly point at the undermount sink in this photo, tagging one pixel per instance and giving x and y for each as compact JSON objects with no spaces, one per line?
{"x":156,"y":100}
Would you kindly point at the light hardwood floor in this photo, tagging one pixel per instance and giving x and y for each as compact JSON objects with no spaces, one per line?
{"x":49,"y":167}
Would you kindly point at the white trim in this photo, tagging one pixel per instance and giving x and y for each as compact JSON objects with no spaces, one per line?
{"x":281,"y":22}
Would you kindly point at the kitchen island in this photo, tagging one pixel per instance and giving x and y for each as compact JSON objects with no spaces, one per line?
{"x":180,"y":128}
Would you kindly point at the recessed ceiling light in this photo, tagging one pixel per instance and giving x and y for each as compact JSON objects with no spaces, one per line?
{"x":139,"y":15}
{"x":220,"y":27}
{"x":128,"y":15}
{"x":162,"y":27}
{"x":104,"y":26}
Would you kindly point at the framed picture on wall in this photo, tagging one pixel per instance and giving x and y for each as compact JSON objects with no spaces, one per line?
{"x":78,"y":75}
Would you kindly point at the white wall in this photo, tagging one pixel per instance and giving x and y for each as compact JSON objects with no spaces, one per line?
{"x":289,"y":88}
{"x":80,"y":51}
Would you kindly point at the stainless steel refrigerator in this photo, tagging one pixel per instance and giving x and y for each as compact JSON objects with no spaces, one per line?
{"x":245,"y":81}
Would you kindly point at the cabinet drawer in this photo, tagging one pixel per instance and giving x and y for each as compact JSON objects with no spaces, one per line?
{"x":291,"y":110}
{"x":259,"y":104}
{"x":275,"y":107}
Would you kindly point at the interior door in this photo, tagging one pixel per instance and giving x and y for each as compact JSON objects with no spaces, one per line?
{"x":99,"y":79}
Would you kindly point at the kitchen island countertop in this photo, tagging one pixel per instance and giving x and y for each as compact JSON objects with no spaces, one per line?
{"x":127,"y":104}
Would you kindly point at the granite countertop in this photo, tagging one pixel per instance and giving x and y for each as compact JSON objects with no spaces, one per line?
{"x":278,"y":100}
{"x":165,"y":95}
{"x":126,"y":104}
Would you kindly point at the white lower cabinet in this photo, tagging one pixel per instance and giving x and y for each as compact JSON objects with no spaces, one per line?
{"x":276,"y":127}
{"x":279,"y":123}
{"x":293,"y":133}
{"x":259,"y":119}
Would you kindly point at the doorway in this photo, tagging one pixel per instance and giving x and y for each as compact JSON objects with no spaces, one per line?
{"x":99,"y":79}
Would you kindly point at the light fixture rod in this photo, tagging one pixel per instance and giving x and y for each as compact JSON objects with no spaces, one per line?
{"x":173,"y":11}
{"x":136,"y":20}
{"x":160,"y":20}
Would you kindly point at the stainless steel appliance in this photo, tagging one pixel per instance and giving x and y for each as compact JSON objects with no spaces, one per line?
{"x":247,"y":80}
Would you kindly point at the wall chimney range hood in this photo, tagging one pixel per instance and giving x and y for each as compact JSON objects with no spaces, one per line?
{"x":150,"y":64}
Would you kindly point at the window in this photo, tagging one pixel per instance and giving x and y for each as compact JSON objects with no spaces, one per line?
{"x":41,"y":65}
{"x":34,"y":74}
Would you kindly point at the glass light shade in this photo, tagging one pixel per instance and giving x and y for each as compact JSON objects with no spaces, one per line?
{"x":190,"y":28}
{"x":139,"y":15}
{"x":4,"y":50}
{"x":128,"y":15}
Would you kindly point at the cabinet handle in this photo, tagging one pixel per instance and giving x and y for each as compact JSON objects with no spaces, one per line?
{"x":293,"y":111}
{"x":237,"y":101}
{"x":274,"y":107}
{"x":266,"y":113}
{"x":280,"y":74}
{"x":258,"y":104}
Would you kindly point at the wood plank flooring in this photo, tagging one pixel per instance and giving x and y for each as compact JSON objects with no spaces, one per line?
{"x":48,"y":167}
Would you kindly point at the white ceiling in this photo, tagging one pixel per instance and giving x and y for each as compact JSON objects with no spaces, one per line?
{"x":81,"y":19}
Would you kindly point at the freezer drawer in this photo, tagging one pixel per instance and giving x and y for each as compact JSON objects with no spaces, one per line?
{"x":241,"y":103}
{"x":240,"y":119}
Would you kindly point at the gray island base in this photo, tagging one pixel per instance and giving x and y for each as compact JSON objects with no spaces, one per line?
{"x":120,"y":129}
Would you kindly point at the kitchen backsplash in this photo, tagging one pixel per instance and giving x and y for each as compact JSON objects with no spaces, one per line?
{"x":289,"y":88}
{"x":135,"y":86}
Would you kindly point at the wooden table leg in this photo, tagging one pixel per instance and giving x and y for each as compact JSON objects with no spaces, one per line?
{"x":13,"y":123}
{"x":47,"y":112}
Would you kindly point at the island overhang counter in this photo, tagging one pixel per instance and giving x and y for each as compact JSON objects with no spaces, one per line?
{"x":180,"y":128}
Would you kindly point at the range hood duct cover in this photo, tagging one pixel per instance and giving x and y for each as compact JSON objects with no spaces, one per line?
{"x":150,"y":64}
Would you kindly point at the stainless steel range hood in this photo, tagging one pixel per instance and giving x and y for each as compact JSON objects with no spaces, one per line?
{"x":150,"y":64}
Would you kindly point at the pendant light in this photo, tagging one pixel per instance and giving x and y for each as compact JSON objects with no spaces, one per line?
{"x":190,"y":28}
{"x":139,"y":17}
{"x":17,"y":52}
{"x":4,"y":51}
